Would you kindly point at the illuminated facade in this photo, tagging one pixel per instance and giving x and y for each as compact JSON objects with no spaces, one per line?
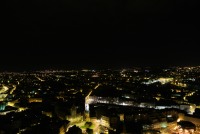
{"x":2,"y":106}
{"x":107,"y":100}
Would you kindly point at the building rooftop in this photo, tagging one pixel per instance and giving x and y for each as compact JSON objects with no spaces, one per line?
{"x":106,"y":91}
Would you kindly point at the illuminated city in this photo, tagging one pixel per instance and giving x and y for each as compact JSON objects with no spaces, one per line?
{"x":100,"y":67}
{"x":137,"y":100}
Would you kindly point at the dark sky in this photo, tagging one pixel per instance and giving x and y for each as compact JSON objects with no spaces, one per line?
{"x":39,"y":34}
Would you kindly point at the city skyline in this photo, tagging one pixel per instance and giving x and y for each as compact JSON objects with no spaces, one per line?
{"x":100,"y":66}
{"x":139,"y":100}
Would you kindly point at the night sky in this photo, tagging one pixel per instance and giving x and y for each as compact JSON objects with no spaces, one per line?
{"x":40,"y":34}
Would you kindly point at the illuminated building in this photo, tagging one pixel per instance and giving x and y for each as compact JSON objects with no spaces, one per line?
{"x":3,"y":97}
{"x":2,"y":106}
{"x":105,"y":121}
{"x":35,"y":100}
{"x":190,"y":109}
{"x":74,"y":116}
{"x":161,"y":80}
{"x":107,"y":95}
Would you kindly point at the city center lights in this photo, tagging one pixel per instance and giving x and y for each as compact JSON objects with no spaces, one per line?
{"x":101,"y":101}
